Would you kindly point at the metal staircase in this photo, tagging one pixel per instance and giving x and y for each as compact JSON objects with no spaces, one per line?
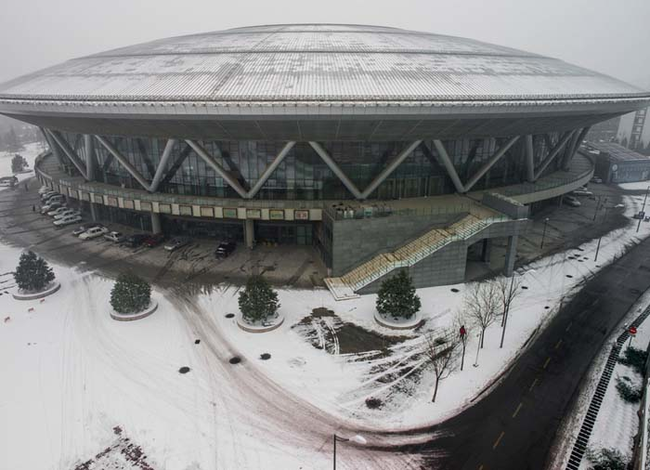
{"x":345,"y":287}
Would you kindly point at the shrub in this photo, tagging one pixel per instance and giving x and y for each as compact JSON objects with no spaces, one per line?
{"x":33,"y":273}
{"x":18,"y":163}
{"x":607,"y":459}
{"x":627,"y":392}
{"x":397,"y":297}
{"x":373,"y":403}
{"x":130,"y":294}
{"x":258,"y":301}
{"x":635,"y":358}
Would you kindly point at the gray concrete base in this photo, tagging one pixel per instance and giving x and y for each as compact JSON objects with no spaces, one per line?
{"x":153,"y":306}
{"x":273,"y":325}
{"x":53,"y":287}
{"x":393,"y":325}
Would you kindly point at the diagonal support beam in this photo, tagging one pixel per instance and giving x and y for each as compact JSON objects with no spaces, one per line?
{"x":449,"y":166}
{"x":490,"y":163}
{"x":397,"y":161}
{"x":270,"y":169}
{"x":574,"y":148}
{"x":322,"y":153}
{"x":123,"y":161}
{"x":63,"y":145}
{"x":164,"y":159}
{"x":530,"y":159}
{"x":221,"y":171}
{"x":551,"y":156}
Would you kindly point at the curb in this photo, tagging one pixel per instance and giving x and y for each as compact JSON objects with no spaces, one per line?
{"x":38,"y":295}
{"x":135,"y":316}
{"x":259,"y":329}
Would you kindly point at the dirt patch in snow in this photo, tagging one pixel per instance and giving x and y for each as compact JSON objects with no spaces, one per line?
{"x":122,"y":454}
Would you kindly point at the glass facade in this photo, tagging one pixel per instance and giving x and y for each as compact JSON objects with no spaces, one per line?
{"x":303,"y":175}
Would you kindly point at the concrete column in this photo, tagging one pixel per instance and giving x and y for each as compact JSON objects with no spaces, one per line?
{"x":511,"y":255}
{"x":485,"y":252}
{"x":155,"y":223}
{"x":249,"y":233}
{"x":93,"y":212}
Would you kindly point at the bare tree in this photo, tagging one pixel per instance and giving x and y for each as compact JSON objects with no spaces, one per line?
{"x":482,"y":306}
{"x":440,"y":353}
{"x":509,"y":289}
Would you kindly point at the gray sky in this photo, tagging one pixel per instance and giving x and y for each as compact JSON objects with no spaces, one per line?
{"x":610,"y":36}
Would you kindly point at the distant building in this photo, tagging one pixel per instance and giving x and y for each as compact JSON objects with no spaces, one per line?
{"x":634,"y":131}
{"x":617,"y":164}
{"x":605,"y":131}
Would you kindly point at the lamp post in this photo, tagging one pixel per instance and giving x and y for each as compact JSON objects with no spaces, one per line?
{"x":507,"y":309}
{"x":543,"y":233}
{"x":642,"y":213}
{"x":358,"y":439}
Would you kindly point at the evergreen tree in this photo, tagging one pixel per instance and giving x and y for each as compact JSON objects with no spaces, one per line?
{"x":130,"y":294}
{"x":397,"y":297}
{"x":33,"y":273}
{"x":13,"y":145}
{"x":18,"y":163}
{"x":258,"y":301}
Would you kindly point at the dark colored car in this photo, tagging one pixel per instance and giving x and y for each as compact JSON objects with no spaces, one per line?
{"x":136,"y":240}
{"x":154,"y":240}
{"x":225,"y":249}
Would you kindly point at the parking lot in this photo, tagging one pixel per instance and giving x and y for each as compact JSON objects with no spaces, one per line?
{"x":193,"y":265}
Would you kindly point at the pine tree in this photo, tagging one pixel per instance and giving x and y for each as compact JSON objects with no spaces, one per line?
{"x":258,"y":301}
{"x":130,"y":294}
{"x":397,"y":297}
{"x":18,"y":163}
{"x":33,"y":273}
{"x":13,"y":145}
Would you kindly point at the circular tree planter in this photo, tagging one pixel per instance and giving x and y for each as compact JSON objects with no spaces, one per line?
{"x":398,"y":324}
{"x":269,"y":325}
{"x":51,"y":289}
{"x":135,"y":316}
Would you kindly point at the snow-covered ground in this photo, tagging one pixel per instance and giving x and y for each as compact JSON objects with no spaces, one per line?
{"x":30,"y":152}
{"x":75,"y":374}
{"x":635,"y":186}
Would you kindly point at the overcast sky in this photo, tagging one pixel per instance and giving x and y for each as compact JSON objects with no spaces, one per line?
{"x":610,"y":36}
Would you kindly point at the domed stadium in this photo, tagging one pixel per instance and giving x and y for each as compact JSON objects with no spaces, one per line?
{"x":382,"y":148}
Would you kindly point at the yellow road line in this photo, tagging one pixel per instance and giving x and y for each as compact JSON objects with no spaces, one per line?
{"x":548,"y":359}
{"x":558,"y":344}
{"x":533,"y":384}
{"x":569,"y":327}
{"x":496,"y":443}
{"x":514,"y":415}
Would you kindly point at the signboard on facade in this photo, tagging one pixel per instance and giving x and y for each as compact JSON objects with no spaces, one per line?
{"x":276,"y":214}
{"x":146,"y":206}
{"x":165,"y":208}
{"x":207,"y":212}
{"x":128,"y":204}
{"x":301,"y":215}
{"x":112,"y":201}
{"x":229,"y":213}
{"x":98,"y":199}
{"x":253,"y":214}
{"x":185,"y":210}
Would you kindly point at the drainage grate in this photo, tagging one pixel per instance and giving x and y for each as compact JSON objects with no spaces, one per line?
{"x":580,"y":447}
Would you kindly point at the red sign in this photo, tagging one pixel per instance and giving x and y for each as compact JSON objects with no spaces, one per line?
{"x":632,"y":330}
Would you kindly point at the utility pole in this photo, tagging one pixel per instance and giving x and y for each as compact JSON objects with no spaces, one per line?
{"x":642,"y":213}
{"x":507,"y":310}
{"x":543,"y":233}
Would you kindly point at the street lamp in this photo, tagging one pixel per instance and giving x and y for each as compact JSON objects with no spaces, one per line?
{"x":642,"y":213}
{"x":543,"y":233}
{"x":358,"y":439}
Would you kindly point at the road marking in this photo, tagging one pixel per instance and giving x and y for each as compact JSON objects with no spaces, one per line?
{"x":569,"y":327}
{"x":558,"y":344}
{"x":548,"y":359}
{"x":514,"y":415}
{"x":496,"y":443}
{"x":532,"y":385}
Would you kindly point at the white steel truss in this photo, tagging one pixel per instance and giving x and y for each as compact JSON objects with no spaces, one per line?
{"x":569,"y":141}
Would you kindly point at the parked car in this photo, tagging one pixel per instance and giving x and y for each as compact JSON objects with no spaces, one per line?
{"x":83,"y":228}
{"x":67,"y":220}
{"x":154,"y":240}
{"x":93,"y":232}
{"x":50,"y":207}
{"x":55,"y":198}
{"x":66,"y":213}
{"x":58,"y":211}
{"x":582,"y":192}
{"x":48,"y":195}
{"x":176,"y":243}
{"x":225,"y":249}
{"x":136,"y":240}
{"x":596,"y":180}
{"x":116,"y":237}
{"x":571,"y":201}
{"x":43,"y":190}
{"x":639,"y":215}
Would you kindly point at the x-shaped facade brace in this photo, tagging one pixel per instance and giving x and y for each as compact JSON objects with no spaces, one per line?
{"x":374,"y":184}
{"x":552,"y":154}
{"x":453,"y":174}
{"x":61,"y":144}
{"x":234,"y":184}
